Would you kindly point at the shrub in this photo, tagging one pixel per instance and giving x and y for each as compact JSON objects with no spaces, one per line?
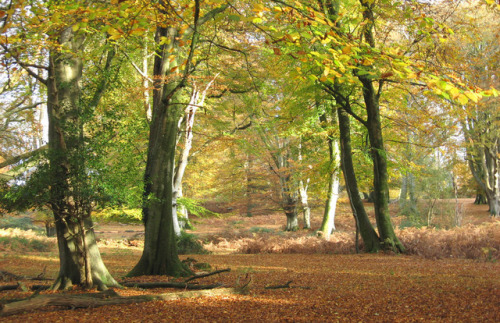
{"x":189,"y":244}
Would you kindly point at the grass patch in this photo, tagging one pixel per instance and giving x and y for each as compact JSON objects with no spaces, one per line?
{"x":23,"y":223}
{"x":261,"y":230}
{"x":24,"y":241}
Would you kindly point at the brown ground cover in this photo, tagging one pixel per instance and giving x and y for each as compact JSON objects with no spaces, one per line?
{"x":325,"y":287}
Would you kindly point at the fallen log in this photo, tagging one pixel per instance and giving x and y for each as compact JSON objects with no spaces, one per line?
{"x":17,"y":286}
{"x":180,"y":285}
{"x":73,"y":301}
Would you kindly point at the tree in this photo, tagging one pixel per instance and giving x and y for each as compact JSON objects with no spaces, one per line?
{"x":196,"y":101}
{"x":63,"y":183}
{"x":477,"y":60}
{"x":171,"y":70}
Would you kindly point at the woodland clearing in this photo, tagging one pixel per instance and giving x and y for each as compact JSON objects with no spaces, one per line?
{"x":325,"y":285}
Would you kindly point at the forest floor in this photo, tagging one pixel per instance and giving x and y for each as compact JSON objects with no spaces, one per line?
{"x":325,"y":287}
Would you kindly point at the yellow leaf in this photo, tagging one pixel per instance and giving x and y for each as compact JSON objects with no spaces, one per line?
{"x":472,"y":96}
{"x":462,"y":99}
{"x":366,"y":62}
{"x":115,"y":36}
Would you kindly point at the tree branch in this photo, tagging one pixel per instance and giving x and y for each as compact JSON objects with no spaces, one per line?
{"x":13,"y":160}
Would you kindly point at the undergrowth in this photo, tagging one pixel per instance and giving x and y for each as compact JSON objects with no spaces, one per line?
{"x":470,"y":242}
{"x":122,"y":215}
{"x":188,"y":244}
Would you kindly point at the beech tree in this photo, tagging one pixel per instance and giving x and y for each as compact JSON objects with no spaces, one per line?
{"x":173,"y":64}
{"x":63,"y":182}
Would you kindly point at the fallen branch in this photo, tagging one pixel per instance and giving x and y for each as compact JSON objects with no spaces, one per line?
{"x":101,"y":299}
{"x":170,"y":285}
{"x":8,"y":276}
{"x":286,"y":285}
{"x":207,"y":274}
{"x":32,"y":287}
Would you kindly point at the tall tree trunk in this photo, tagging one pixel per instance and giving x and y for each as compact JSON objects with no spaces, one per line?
{"x":374,"y":127}
{"x":80,"y":260}
{"x":380,"y":174}
{"x":160,"y":256}
{"x":370,"y":238}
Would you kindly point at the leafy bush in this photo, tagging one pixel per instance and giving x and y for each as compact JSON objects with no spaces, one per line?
{"x":129,"y":216}
{"x":189,"y":244}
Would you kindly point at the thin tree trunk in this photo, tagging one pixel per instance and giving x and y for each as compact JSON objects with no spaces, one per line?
{"x":305,"y":204}
{"x":249,"y":185}
{"x":328,"y":224}
{"x":197,"y":100}
{"x":303,"y":195}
